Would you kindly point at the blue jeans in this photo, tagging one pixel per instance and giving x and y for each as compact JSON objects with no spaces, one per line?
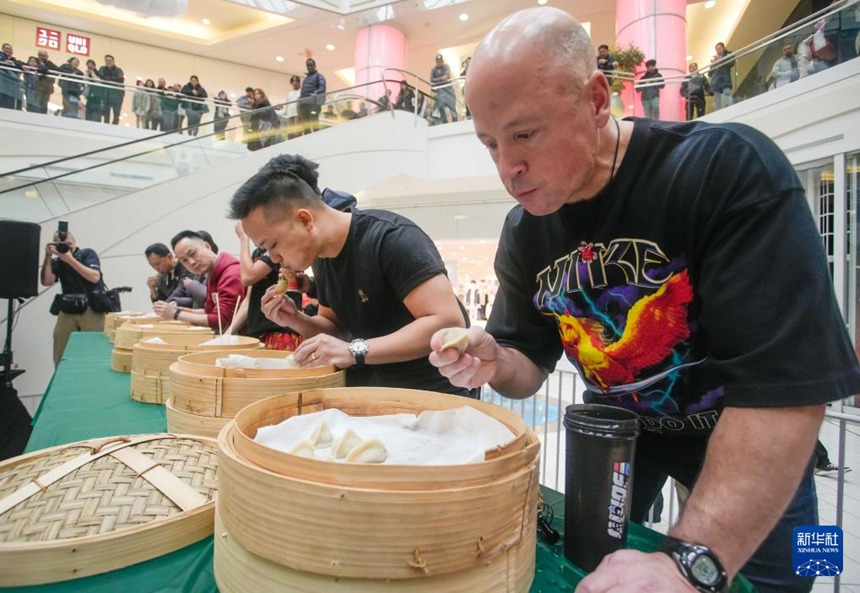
{"x":652,"y":107}
{"x":770,"y":569}
{"x":726,"y":94}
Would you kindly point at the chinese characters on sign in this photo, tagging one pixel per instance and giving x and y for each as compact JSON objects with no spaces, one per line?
{"x":77,"y":44}
{"x":47,"y":38}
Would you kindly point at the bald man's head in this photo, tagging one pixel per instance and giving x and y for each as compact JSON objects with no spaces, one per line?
{"x":544,"y":42}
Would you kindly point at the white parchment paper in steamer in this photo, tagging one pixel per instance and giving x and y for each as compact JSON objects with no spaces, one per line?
{"x":249,"y":362}
{"x":445,"y":437}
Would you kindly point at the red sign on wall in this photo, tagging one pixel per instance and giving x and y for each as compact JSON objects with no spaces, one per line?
{"x":47,"y":38}
{"x":77,"y":44}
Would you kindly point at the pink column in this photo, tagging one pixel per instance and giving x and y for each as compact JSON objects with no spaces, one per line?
{"x":378,"y":47}
{"x":659,"y":29}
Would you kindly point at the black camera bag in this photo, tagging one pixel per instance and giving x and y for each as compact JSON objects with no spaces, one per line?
{"x":71,"y":304}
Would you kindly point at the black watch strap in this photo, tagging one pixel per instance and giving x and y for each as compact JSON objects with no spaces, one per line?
{"x":698,"y":564}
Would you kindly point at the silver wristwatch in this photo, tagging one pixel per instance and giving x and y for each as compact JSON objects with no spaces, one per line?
{"x":359,"y":350}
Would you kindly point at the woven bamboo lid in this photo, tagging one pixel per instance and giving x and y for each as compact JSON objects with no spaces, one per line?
{"x":99,"y":505}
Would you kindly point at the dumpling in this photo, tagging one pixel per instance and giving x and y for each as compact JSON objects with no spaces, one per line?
{"x":303,"y":449}
{"x":321,"y":436}
{"x":369,"y":451}
{"x":456,"y":337}
{"x":346,"y":443}
{"x":291,"y":362}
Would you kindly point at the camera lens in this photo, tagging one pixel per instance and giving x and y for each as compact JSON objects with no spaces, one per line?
{"x":62,"y":248}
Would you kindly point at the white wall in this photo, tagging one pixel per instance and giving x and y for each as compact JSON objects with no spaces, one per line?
{"x":428,"y":164}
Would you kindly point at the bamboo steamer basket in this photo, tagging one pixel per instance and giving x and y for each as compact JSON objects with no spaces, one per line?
{"x":150,"y":378}
{"x":114,"y":320}
{"x":237,"y":570}
{"x":203,"y":389}
{"x":188,"y":423}
{"x":121,"y":359}
{"x":95,"y":506}
{"x":130,"y":333}
{"x":377,"y":523}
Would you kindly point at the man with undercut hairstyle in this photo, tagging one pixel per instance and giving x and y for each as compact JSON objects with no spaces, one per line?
{"x":654,"y":255}
{"x":380,"y":280}
{"x":223,"y":282}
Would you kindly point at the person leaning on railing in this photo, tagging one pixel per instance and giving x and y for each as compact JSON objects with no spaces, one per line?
{"x":11,"y":89}
{"x":195,"y":103}
{"x":70,"y":87}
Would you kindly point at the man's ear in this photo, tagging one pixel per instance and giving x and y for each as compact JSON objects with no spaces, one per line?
{"x":304,"y":218}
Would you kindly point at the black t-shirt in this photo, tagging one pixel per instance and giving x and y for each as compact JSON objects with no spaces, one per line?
{"x":695,"y":280}
{"x":385,"y":257}
{"x":70,"y":281}
{"x":257,"y":323}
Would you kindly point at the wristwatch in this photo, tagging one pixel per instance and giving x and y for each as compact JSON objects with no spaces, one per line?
{"x":698,"y":565}
{"x":359,"y":350}
{"x":176,"y":313}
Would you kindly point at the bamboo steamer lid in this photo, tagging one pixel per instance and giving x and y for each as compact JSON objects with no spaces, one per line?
{"x":150,"y":377}
{"x":200,"y":387}
{"x":187,"y":423}
{"x":237,"y":570}
{"x":427,"y":522}
{"x":101,"y":505}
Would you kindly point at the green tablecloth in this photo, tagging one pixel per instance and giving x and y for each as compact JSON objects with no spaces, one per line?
{"x":87,"y":399}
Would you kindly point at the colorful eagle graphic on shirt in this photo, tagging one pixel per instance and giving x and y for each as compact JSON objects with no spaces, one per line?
{"x":655,"y":325}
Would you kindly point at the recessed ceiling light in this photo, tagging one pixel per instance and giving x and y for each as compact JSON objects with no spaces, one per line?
{"x":542,"y":2}
{"x":279,"y":58}
{"x":710,"y":3}
{"x":464,"y":16}
{"x":689,"y":58}
{"x":330,"y":47}
{"x":207,"y":22}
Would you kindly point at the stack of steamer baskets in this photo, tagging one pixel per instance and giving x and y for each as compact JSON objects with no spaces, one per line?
{"x":114,"y":320}
{"x":133,"y":331}
{"x":96,"y":506}
{"x":150,"y":377}
{"x":286,"y":523}
{"x":206,"y":396}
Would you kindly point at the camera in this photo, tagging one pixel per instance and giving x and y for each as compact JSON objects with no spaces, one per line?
{"x":62,"y":234}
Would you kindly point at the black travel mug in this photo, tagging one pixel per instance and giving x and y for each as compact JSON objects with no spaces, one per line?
{"x":601,"y":443}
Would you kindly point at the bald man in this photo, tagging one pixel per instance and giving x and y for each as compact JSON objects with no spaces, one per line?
{"x":654,"y":255}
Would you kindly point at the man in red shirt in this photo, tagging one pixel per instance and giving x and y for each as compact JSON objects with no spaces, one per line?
{"x":223,"y":278}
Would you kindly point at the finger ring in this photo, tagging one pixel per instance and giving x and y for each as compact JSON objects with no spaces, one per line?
{"x":314,"y":355}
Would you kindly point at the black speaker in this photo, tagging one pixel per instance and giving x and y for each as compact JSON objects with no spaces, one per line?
{"x":19,"y":259}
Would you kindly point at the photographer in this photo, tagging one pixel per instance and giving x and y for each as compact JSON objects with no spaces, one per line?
{"x":80,"y":276}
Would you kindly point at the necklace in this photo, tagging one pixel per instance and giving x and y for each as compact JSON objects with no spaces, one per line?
{"x":617,"y":144}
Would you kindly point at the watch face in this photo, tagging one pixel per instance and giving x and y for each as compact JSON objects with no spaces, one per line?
{"x":359,"y":347}
{"x":705,"y":570}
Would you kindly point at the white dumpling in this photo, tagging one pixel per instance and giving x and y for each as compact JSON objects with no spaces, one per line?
{"x":291,"y":362}
{"x":456,"y":337}
{"x":303,"y":448}
{"x":369,"y":451}
{"x":346,"y":443}
{"x":321,"y":436}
